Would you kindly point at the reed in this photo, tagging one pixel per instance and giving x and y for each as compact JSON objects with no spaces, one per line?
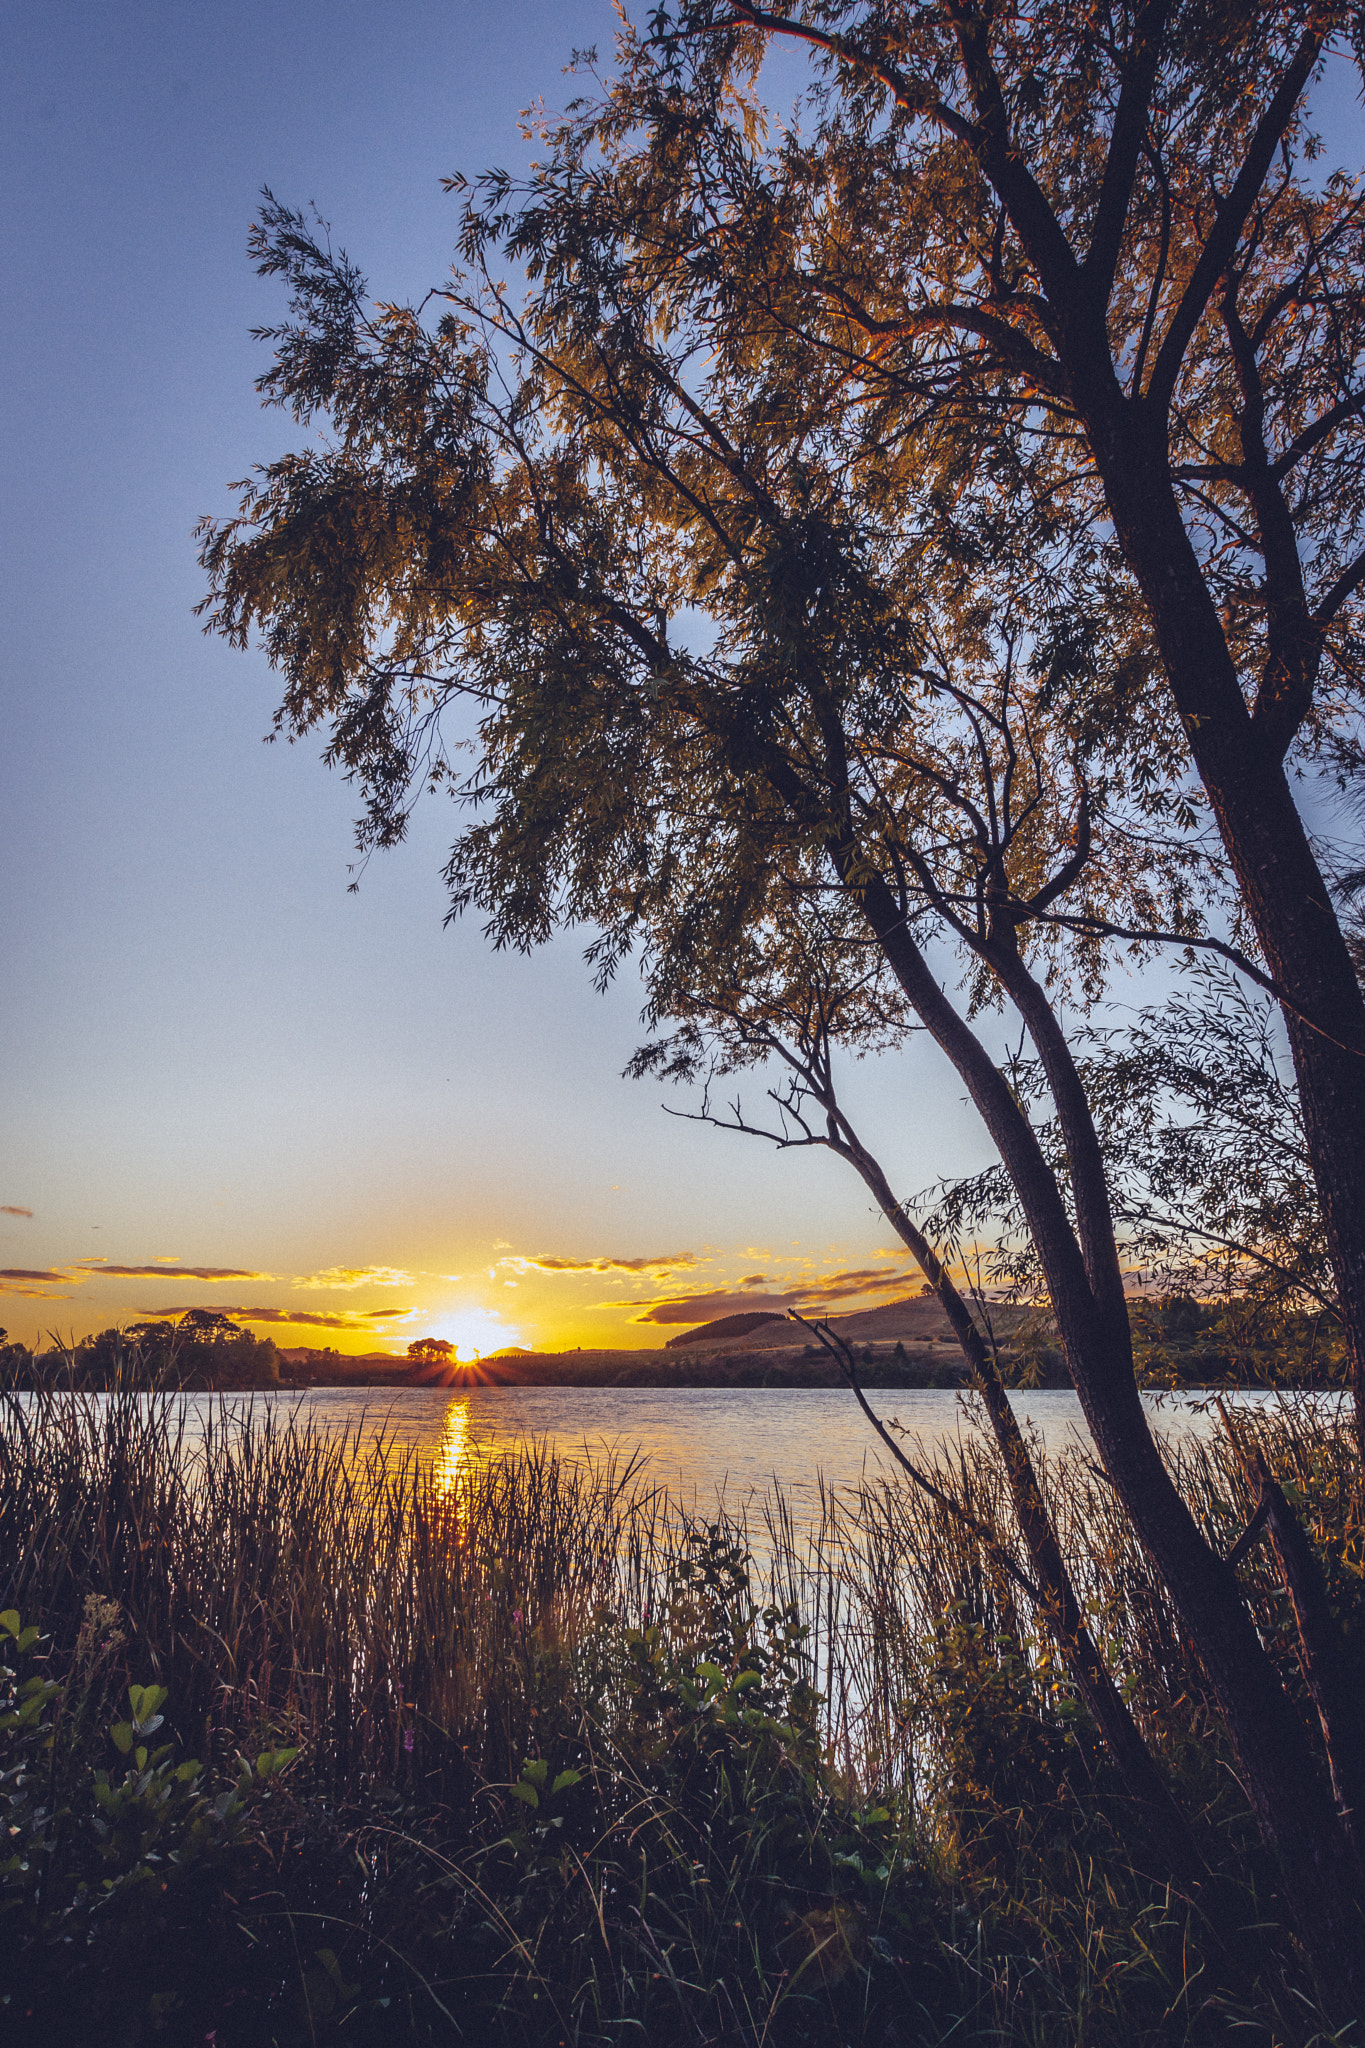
{"x":574,"y":1765}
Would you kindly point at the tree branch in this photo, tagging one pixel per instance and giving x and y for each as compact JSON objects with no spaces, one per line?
{"x":915,"y":96}
{"x":1125,"y":147}
{"x":1345,"y":587}
{"x":1230,"y":218}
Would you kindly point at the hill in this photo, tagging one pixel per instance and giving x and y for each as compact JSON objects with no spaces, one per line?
{"x":915,"y":1319}
{"x":727,"y":1329}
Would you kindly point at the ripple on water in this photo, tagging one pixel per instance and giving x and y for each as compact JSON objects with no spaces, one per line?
{"x":698,"y":1442}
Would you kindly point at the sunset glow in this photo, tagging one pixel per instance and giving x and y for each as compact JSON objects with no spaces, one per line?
{"x":474,"y":1332}
{"x":613,"y":1298}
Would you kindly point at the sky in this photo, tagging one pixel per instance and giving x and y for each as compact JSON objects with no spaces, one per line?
{"x":225,"y":1080}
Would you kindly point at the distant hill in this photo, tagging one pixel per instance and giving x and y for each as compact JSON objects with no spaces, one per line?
{"x":309,"y":1354}
{"x":915,"y":1319}
{"x":726,"y":1329}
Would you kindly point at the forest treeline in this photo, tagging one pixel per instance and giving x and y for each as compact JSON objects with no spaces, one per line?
{"x":198,"y":1352}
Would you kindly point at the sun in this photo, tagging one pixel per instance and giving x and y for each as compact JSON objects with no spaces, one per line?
{"x":474,"y":1332}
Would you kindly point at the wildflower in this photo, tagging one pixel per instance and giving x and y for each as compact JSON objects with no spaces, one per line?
{"x":407,"y":1739}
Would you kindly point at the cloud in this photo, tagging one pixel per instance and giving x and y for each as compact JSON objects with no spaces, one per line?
{"x":861,"y":1280}
{"x":30,"y":1273}
{"x":702,"y":1308}
{"x":705,"y":1307}
{"x":12,"y":1209}
{"x":163,"y":1272}
{"x":355,"y":1319}
{"x":663,"y":1262}
{"x":360,"y":1319}
{"x":356,"y":1276}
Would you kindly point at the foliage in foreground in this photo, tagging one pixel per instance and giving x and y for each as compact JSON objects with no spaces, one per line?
{"x":299,"y":1746}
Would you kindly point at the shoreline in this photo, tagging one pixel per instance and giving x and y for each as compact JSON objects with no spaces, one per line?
{"x":939,"y":1367}
{"x":664,"y":1369}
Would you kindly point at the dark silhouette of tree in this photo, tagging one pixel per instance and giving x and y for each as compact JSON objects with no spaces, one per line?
{"x":16,"y":1362}
{"x":206,"y":1326}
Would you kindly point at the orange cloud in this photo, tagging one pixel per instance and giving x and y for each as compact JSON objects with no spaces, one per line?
{"x":32,"y":1282}
{"x":356,"y":1276}
{"x":704,"y":1307}
{"x":163,"y":1272}
{"x":664,"y":1262}
{"x":12,"y":1209}
{"x":359,"y":1319}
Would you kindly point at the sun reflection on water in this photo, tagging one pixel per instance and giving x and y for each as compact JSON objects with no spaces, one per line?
{"x":455,"y":1454}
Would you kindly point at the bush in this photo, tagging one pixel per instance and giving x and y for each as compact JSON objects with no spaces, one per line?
{"x":104,"y":1860}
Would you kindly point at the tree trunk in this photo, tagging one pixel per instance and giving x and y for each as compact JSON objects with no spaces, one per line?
{"x":1292,"y":1803}
{"x":1062,"y":1610}
{"x":1282,"y":886}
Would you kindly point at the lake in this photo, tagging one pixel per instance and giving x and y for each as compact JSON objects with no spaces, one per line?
{"x":698,"y":1442}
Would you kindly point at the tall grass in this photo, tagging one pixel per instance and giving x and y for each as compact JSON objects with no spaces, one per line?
{"x":321,"y":1589}
{"x":576,"y":1766}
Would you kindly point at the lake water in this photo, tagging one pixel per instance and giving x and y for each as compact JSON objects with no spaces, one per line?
{"x":698,"y":1442}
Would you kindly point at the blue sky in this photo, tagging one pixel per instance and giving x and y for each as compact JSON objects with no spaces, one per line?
{"x":212,"y":1055}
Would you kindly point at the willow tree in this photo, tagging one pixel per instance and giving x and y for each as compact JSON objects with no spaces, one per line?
{"x":717,"y":649}
{"x":1087,"y":256}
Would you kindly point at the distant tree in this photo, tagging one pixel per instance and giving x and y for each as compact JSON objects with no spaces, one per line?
{"x":206,"y":1326}
{"x":149,"y":1336}
{"x":203,"y":1349}
{"x":16,"y":1363}
{"x":431,"y":1350}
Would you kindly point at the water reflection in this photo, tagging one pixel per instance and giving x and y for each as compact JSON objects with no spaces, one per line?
{"x":702,"y":1444}
{"x":455,"y":1451}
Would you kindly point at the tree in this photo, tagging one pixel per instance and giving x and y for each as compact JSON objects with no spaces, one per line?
{"x":206,"y":1326}
{"x":756,"y":703}
{"x":16,"y":1363}
{"x":431,"y":1351}
{"x":1080,"y":257}
{"x":1204,"y":1151}
{"x":786,"y":998}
